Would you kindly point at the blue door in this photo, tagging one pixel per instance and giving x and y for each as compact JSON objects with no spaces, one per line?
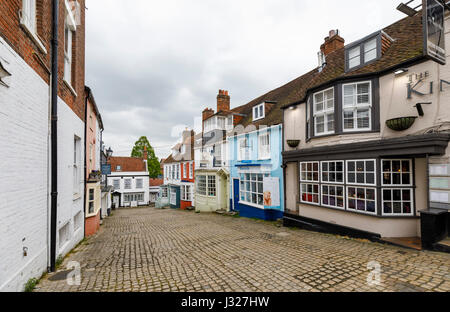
{"x":235,"y":194}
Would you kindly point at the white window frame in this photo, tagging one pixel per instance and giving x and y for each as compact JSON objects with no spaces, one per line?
{"x":28,"y":19}
{"x":76,"y":166}
{"x":164,"y":192}
{"x":259,"y":112}
{"x":312,"y":171}
{"x":318,"y":194}
{"x":411,"y":169}
{"x":184,"y":171}
{"x":325,"y":112}
{"x":358,"y":48}
{"x":139,"y":183}
{"x":402,"y":201}
{"x":328,"y":162}
{"x":91,"y":201}
{"x":365,"y":44}
{"x":211,"y":187}
{"x":355,"y":107}
{"x":202,"y":186}
{"x":118,"y":168}
{"x":191,"y":170}
{"x":114,"y":184}
{"x":186,"y":192}
{"x":336,"y":186}
{"x":356,"y":187}
{"x":253,"y":178}
{"x":365,"y":172}
{"x":264,"y":149}
{"x":243,"y":151}
{"x":130,"y":185}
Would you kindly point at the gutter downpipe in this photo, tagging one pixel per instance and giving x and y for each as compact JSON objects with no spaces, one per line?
{"x":54,"y":137}
{"x":85,"y":164}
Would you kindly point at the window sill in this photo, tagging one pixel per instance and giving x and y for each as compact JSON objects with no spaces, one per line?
{"x":33,"y":37}
{"x":345,"y":132}
{"x":361,"y":213}
{"x":71,"y":89}
{"x":251,"y":204}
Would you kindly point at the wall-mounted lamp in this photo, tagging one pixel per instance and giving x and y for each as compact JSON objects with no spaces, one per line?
{"x":404,"y":8}
{"x":420,"y":108}
{"x":400,"y":71}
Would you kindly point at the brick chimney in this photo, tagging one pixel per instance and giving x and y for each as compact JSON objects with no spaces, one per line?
{"x":208,"y":112}
{"x":223,"y":101}
{"x":332,"y":43}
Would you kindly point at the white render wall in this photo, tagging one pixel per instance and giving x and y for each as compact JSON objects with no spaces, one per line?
{"x":130,"y":175}
{"x":69,"y":126}
{"x":24,"y":208}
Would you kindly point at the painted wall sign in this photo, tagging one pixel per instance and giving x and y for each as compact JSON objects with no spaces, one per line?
{"x":106,"y":169}
{"x":271,"y":188}
{"x":434,"y":32}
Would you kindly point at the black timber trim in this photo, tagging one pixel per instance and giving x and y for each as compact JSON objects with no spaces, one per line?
{"x":414,"y":61}
{"x":290,"y":220}
{"x":417,"y":146}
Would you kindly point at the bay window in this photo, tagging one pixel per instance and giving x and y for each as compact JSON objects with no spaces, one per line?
{"x":206,"y":185}
{"x":324,"y":112}
{"x":352,"y":185}
{"x":357,"y":106}
{"x":201,"y":185}
{"x":251,"y":188}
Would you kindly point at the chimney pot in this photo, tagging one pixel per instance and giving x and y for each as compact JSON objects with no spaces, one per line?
{"x":332,"y":43}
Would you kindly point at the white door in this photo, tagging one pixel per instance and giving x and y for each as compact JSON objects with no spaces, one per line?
{"x":116,"y":201}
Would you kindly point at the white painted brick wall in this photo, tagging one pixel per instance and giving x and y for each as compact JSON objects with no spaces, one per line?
{"x":69,"y":126}
{"x":24,"y":133}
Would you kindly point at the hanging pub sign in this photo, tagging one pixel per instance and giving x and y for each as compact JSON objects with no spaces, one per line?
{"x":434,"y":33}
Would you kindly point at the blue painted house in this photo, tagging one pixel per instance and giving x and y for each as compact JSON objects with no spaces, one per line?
{"x":255,"y":173}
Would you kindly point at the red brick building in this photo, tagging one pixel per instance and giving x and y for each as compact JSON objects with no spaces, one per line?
{"x":54,"y":186}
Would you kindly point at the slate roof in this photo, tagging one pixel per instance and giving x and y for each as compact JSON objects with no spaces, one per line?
{"x":406,"y":47}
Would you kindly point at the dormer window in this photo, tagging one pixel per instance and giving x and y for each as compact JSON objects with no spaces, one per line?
{"x":258,"y":112}
{"x":363,"y":52}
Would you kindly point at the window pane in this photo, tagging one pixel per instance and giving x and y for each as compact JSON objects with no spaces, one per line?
{"x":363,"y":118}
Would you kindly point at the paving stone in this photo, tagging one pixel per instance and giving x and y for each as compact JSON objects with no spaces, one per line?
{"x":148,"y":249}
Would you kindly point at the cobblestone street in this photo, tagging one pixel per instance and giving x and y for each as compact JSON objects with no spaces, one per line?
{"x":148,"y":249}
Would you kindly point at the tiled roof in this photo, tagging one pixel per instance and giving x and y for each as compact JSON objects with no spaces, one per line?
{"x":128,"y":164}
{"x":156,"y":182}
{"x":407,"y":46}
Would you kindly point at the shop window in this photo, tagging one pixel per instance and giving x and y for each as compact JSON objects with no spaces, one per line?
{"x":361,"y":172}
{"x":201,"y":185}
{"x":398,"y":200}
{"x":361,"y":199}
{"x":333,"y":171}
{"x":212,"y":186}
{"x":251,"y":188}
{"x":310,"y":193}
{"x":333,"y":196}
{"x":309,"y":171}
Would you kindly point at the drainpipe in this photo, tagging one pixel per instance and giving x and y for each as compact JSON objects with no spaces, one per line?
{"x":54,"y":137}
{"x":85,"y":164}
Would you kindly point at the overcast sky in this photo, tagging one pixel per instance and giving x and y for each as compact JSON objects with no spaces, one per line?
{"x":155,"y":65}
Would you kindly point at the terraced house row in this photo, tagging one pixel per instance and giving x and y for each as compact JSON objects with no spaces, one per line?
{"x":357,"y":146}
{"x":51,"y":139}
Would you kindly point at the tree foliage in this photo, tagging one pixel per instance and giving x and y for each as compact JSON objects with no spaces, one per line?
{"x":154,"y":167}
